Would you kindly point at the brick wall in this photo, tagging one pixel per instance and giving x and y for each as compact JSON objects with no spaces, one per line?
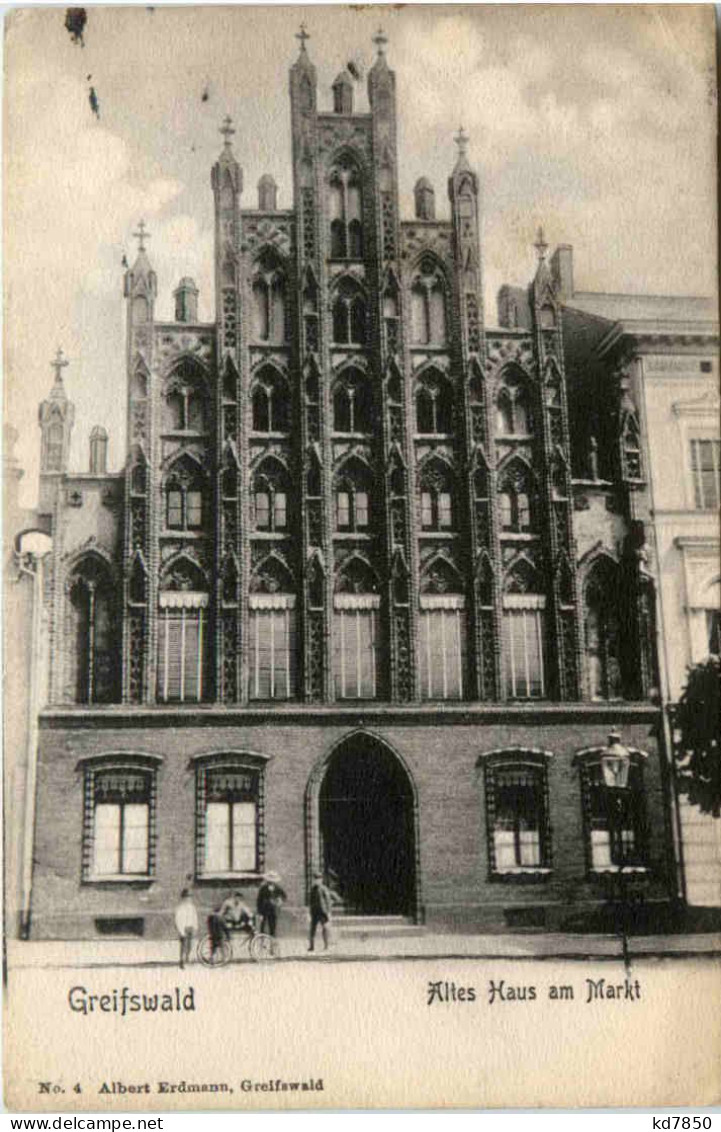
{"x":441,"y":758}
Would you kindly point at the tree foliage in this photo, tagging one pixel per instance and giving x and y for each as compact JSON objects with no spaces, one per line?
{"x":697,"y":736}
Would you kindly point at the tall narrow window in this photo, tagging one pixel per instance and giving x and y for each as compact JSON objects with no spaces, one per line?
{"x":434,"y":405}
{"x":428,"y":306}
{"x":603,"y":633}
{"x":615,"y":819}
{"x":118,"y":823}
{"x":436,"y":498}
{"x":182,"y":639}
{"x":524,"y":645}
{"x":352,"y":404}
{"x":705,"y":460}
{"x":354,"y":646}
{"x":349,"y":315}
{"x":442,"y":646}
{"x":517,"y":812}
{"x":272,"y":647}
{"x":346,"y":213}
{"x":94,"y":654}
{"x":271,"y":403}
{"x":229,"y":819}
{"x":517,"y":499}
{"x":54,"y":460}
{"x":513,"y":406}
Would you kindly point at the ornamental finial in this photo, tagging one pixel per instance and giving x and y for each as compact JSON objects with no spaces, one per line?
{"x":302,"y":35}
{"x":227,"y":130}
{"x":58,"y":363}
{"x":380,"y":39}
{"x":461,"y":139}
{"x":540,"y":245}
{"x":141,"y":235}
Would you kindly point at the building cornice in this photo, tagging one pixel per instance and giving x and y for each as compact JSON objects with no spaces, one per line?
{"x":331,"y":715}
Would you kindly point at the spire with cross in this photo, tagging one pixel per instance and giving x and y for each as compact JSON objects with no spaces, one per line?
{"x":540,"y":245}
{"x":227,"y":130}
{"x":59,"y":363}
{"x":141,"y":235}
{"x":461,"y":139}
{"x":302,"y":35}
{"x":380,"y":39}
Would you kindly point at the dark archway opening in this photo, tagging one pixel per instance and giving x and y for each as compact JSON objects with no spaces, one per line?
{"x":367,"y":835}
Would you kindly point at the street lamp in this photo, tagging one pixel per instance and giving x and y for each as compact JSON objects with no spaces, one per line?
{"x":615,"y":766}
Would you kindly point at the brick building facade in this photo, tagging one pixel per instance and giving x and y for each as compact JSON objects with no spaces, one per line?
{"x":365,"y":596}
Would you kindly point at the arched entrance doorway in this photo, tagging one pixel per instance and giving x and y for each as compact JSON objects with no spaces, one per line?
{"x":366,"y":828}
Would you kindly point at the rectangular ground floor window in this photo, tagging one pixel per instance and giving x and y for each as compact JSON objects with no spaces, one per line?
{"x":118,"y":823}
{"x":615,"y":819}
{"x":228,"y":816}
{"x":517,"y":813}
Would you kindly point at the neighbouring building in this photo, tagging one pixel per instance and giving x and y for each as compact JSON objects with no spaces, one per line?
{"x":666,"y":350}
{"x":373,"y":584}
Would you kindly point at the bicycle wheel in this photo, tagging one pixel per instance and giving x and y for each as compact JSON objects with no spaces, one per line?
{"x":263,"y":947}
{"x":216,"y":956}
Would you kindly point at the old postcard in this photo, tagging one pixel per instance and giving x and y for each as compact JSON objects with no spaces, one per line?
{"x":361,"y":592}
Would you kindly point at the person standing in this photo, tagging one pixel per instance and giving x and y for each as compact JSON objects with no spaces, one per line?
{"x":321,"y":905}
{"x":186,"y":923}
{"x":270,"y":898}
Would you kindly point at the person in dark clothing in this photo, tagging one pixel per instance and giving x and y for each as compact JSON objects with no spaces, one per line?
{"x":321,"y":905}
{"x":270,"y":897}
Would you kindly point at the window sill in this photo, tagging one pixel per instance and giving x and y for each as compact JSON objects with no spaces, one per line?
{"x":221,"y":878}
{"x":444,"y":533}
{"x":136,"y":881}
{"x":627,"y":870}
{"x":521,"y":875}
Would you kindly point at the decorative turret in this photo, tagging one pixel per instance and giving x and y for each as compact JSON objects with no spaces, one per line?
{"x":543,"y":295}
{"x":227,"y":182}
{"x":343,"y":93}
{"x":382,"y":81}
{"x":303,"y":80}
{"x":141,"y":283}
{"x":186,"y":300}
{"x":463,"y":193}
{"x":425,"y":199}
{"x":56,"y":416}
{"x":267,"y":194}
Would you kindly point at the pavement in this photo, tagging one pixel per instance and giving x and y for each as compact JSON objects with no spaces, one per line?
{"x":423,"y":945}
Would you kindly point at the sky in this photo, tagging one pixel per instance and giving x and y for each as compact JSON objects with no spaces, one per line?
{"x":596,"y":121}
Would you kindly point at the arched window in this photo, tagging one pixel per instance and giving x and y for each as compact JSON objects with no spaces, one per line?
{"x":182,"y":633}
{"x":603,"y":632}
{"x":513,"y":407}
{"x":428,"y":306}
{"x":94,"y":636}
{"x":272,"y":633}
{"x":349,"y":314}
{"x":271,"y":408}
{"x":352,"y":496}
{"x":270,"y":495}
{"x":355,"y":632}
{"x":442,"y":647}
{"x":184,"y":496}
{"x":184,"y":403}
{"x":269,"y":301}
{"x":436,"y":484}
{"x":346,"y":212}
{"x":434,"y":405}
{"x":517,"y":499}
{"x":352,"y":404}
{"x":524,"y":623}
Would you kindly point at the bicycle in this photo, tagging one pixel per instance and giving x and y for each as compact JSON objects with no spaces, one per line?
{"x":261,"y":947}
